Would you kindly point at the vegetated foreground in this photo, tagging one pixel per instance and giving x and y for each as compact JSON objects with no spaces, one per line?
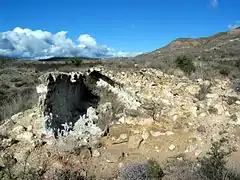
{"x":123,"y":119}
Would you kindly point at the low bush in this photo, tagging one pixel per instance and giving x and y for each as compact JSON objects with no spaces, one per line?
{"x":213,"y":165}
{"x":224,"y":71}
{"x":202,"y":93}
{"x":142,"y":171}
{"x":185,"y":64}
{"x":77,"y":62}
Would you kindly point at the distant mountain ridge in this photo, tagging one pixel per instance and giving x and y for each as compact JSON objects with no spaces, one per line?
{"x":221,"y":46}
{"x":68,"y":58}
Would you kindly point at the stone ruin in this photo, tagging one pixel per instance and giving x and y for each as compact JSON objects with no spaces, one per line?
{"x":72,"y":104}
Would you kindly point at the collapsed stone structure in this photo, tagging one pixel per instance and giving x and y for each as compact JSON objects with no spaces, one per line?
{"x":79,"y":104}
{"x":84,"y":104}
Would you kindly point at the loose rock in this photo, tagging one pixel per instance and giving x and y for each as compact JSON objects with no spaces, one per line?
{"x":172,"y":147}
{"x":123,"y":138}
{"x":96,"y":153}
{"x":134,"y":141}
{"x":145,"y":135}
{"x":201,"y":128}
{"x":25,"y":136}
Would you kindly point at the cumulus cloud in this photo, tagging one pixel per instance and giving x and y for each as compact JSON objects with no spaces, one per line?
{"x":87,"y":40}
{"x":34,"y":44}
{"x":214,"y":3}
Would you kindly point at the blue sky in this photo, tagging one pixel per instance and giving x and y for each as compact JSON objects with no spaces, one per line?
{"x":126,"y":25}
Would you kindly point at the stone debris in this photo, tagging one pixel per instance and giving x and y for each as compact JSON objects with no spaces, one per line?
{"x":157,"y":133}
{"x":96,"y":153}
{"x":25,"y":136}
{"x":145,"y":135}
{"x":85,"y":153}
{"x":197,"y":152}
{"x":171,"y":147}
{"x":16,"y":117}
{"x":123,"y":138}
{"x":114,"y":156}
{"x":191,"y":148}
{"x":17,"y":130}
{"x":201,"y":128}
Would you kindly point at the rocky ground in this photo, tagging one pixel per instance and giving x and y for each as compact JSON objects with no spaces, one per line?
{"x":149,"y":115}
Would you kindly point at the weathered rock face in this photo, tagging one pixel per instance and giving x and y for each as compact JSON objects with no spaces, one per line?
{"x":68,"y":98}
{"x":65,"y":101}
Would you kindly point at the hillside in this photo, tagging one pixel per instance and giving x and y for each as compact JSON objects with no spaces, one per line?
{"x":221,"y":50}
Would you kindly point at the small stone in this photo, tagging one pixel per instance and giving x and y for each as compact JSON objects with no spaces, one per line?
{"x":22,"y":155}
{"x":16,"y":117}
{"x":33,"y":116}
{"x":123,"y":138}
{"x":2,"y":164}
{"x":6,"y":143}
{"x":122,"y":120}
{"x":131,"y":121}
{"x":114,"y":156}
{"x":30,"y":128}
{"x":201,"y":128}
{"x":136,"y":131}
{"x":131,"y":112}
{"x":96,"y":153}
{"x":175,"y":117}
{"x":157,"y":133}
{"x":85,"y":153}
{"x":145,"y":135}
{"x":197,"y":152}
{"x":237,"y":102}
{"x":220,"y":108}
{"x":169,"y":133}
{"x":25,"y":136}
{"x":145,"y":121}
{"x":172,"y":147}
{"x":191,"y":148}
{"x":148,"y":106}
{"x":192,"y":89}
{"x":17,"y":130}
{"x":203,"y":114}
{"x":227,"y":114}
{"x":180,"y":158}
{"x":134,"y":141}
{"x":120,"y":165}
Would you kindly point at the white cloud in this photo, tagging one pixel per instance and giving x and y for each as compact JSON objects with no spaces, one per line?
{"x":234,"y":26}
{"x":214,"y":3}
{"x":27,"y":43}
{"x":87,"y":40}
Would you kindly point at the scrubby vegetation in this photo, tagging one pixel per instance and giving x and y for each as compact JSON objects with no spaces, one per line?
{"x":213,"y":165}
{"x":142,"y":171}
{"x":185,"y":64}
{"x":76,"y":62}
{"x":204,"y":90}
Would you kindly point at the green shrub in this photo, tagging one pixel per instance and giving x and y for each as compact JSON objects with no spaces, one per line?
{"x":224,"y":71}
{"x":204,"y":90}
{"x":154,"y":170}
{"x":212,"y":110}
{"x":213,"y":165}
{"x":142,"y":171}
{"x":76,"y":62}
{"x":185,"y":64}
